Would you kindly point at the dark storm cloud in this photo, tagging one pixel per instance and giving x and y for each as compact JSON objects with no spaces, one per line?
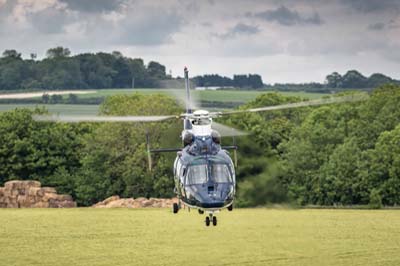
{"x":237,"y":30}
{"x":370,"y":6}
{"x":377,"y":26}
{"x":287,"y":17}
{"x":93,"y":6}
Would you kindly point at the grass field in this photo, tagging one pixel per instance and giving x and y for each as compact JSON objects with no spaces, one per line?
{"x":216,"y":96}
{"x":157,"y":237}
{"x":207,"y":95}
{"x":70,"y":109}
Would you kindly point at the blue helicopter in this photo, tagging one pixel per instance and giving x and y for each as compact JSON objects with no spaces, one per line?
{"x":204,"y":172}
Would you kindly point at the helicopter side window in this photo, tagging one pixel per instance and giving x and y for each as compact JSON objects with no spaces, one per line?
{"x":197,"y":174}
{"x":220,"y":173}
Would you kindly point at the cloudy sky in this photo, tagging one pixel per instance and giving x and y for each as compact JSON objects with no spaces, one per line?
{"x":284,"y":41}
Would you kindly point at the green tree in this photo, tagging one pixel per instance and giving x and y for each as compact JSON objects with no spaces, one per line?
{"x":115,"y":160}
{"x":45,"y":98}
{"x":58,"y":52}
{"x":334,"y":80}
{"x":384,"y":167}
{"x":34,"y":150}
{"x":354,"y":79}
{"x":11,"y":54}
{"x":156,"y":70}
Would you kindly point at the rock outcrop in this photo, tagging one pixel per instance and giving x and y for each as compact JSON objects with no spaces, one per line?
{"x":30,"y":194}
{"x":117,"y":202}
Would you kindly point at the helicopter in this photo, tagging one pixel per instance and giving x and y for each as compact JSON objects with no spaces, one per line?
{"x":203,"y":170}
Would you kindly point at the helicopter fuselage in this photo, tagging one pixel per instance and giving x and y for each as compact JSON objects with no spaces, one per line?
{"x":204,"y":175}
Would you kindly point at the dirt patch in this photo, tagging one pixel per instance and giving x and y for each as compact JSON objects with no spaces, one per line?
{"x":117,"y":202}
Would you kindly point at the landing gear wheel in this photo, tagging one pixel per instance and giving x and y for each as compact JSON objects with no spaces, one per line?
{"x":175,"y":207}
{"x":214,"y":220}
{"x":207,"y":221}
{"x":201,"y":211}
{"x":230,"y":208}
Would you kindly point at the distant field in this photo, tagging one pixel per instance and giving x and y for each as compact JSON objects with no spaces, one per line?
{"x":70,"y":109}
{"x":207,"y":95}
{"x":158,"y":237}
{"x":210,"y":96}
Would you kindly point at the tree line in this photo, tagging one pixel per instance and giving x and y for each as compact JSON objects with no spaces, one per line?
{"x":336,"y":82}
{"x":60,"y":70}
{"x":250,"y":81}
{"x":338,"y":154}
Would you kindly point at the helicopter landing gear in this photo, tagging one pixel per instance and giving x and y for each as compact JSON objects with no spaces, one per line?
{"x":230,"y":207}
{"x":201,"y":211}
{"x":211,"y":218}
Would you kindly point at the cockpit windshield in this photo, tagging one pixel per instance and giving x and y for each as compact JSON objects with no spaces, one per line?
{"x":203,"y":121}
{"x":197,"y":174}
{"x":220,"y":173}
{"x":200,"y":174}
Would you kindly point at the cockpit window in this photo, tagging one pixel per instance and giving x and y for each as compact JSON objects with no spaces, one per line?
{"x":197,"y":174}
{"x":201,"y":121}
{"x":201,"y":173}
{"x":220,"y":173}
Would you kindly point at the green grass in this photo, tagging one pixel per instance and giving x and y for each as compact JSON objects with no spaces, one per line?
{"x":157,"y":237}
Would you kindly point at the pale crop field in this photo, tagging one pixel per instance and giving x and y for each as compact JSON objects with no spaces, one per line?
{"x":157,"y":237}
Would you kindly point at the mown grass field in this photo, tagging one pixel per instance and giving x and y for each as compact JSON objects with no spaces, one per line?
{"x":157,"y":237}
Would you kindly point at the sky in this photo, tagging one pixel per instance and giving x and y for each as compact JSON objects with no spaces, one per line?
{"x":283,"y":41}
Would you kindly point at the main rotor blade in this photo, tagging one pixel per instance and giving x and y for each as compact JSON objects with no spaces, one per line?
{"x":180,"y":95}
{"x":76,"y":119}
{"x":226,"y":131}
{"x":331,"y":100}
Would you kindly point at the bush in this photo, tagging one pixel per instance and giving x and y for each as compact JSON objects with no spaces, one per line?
{"x":375,"y":199}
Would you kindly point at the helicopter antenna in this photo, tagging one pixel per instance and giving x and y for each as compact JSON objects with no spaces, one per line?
{"x":187,"y":87}
{"x":187,"y":125}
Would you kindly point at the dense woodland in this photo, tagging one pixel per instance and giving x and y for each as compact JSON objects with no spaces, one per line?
{"x":251,"y":81}
{"x":339,"y":154}
{"x":60,"y":70}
